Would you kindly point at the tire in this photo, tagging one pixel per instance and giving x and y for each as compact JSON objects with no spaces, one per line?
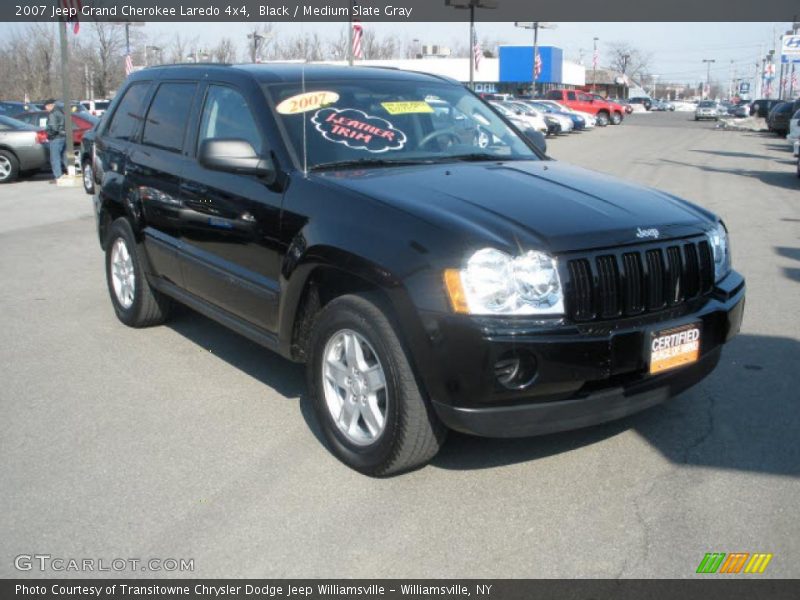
{"x":602,"y":119}
{"x":9,"y":167}
{"x":87,"y":175}
{"x":406,"y":433}
{"x":136,"y":305}
{"x":616,"y":118}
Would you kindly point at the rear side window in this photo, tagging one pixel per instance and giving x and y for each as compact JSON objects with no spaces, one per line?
{"x":585,"y":98}
{"x":129,"y":113}
{"x":166,"y":120}
{"x":553,"y":95}
{"x":570,"y":95}
{"x":227,"y":115}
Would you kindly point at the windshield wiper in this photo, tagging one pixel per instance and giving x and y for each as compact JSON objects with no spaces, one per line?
{"x":368,"y":162}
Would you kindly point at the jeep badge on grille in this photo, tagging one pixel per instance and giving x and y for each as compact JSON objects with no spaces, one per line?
{"x":647,"y":233}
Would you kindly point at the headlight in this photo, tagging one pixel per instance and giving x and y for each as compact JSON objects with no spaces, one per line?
{"x":494,"y":283}
{"x":722,"y":251}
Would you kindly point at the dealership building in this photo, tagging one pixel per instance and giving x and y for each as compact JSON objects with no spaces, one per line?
{"x":510,"y":72}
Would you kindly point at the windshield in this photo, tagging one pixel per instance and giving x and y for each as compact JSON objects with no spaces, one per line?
{"x":706,"y":104}
{"x":364,"y":121}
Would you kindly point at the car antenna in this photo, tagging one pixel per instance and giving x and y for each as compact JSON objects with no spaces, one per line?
{"x":303,"y":91}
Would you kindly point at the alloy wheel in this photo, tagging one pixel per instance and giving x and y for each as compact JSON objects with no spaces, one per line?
{"x":123,"y":277}
{"x":354,"y":386}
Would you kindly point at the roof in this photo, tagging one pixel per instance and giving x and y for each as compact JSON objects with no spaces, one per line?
{"x":292,"y":72}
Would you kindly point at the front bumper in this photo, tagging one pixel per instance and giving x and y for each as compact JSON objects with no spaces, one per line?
{"x":585,"y":374}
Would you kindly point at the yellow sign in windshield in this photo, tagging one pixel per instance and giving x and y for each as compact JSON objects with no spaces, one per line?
{"x":406,"y":108}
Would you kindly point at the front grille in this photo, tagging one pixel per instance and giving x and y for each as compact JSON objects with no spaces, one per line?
{"x":627,"y":282}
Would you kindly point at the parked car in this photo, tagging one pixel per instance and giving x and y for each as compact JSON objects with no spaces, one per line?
{"x":644,"y":101}
{"x":426,"y":285}
{"x":9,"y":108}
{"x":564,"y":123}
{"x":81,"y":123}
{"x":668,"y":105}
{"x":535,"y":122}
{"x":589,"y":120}
{"x":658,"y":106}
{"x":739,"y":111}
{"x":578,"y":122}
{"x":95,"y":107}
{"x":86,"y":161}
{"x":624,"y":104}
{"x":793,"y":137}
{"x":23,"y":149}
{"x":762,"y":107}
{"x":779,"y":117}
{"x":604,"y":111}
{"x":707,"y":109}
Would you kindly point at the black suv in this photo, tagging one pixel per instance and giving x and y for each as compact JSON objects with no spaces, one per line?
{"x":429,"y":280}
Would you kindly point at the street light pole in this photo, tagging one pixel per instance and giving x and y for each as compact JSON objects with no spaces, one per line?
{"x":471,"y":5}
{"x":708,"y":62}
{"x":594,"y":65}
{"x":257,"y":39}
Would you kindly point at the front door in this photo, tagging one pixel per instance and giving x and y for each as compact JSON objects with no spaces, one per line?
{"x":231,"y":222}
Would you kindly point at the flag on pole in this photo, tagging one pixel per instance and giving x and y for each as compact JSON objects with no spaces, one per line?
{"x":128,"y":65}
{"x":358,"y":33}
{"x":477,"y":53}
{"x":793,"y":89}
{"x":74,"y":8}
{"x":537,"y":66}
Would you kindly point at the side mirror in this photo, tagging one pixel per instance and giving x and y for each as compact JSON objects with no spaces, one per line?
{"x":235,"y":156}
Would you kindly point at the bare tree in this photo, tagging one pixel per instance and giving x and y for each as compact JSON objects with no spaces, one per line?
{"x":179,"y":48}
{"x":377,"y":48}
{"x":225,"y":51}
{"x":306,"y":47}
{"x":629,"y":60}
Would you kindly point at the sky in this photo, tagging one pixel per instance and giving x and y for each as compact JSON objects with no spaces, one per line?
{"x":677,"y":49}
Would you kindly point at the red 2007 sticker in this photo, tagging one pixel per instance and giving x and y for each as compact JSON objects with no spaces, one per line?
{"x":358,"y":130}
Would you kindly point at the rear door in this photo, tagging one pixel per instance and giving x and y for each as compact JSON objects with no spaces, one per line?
{"x":154,"y":170}
{"x":231,"y":223}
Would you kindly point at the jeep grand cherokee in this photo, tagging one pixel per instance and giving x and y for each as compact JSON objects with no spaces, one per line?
{"x":432,"y":273}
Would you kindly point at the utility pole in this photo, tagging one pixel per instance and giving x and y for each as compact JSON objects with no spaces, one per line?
{"x":257,"y":39}
{"x":70,"y":150}
{"x":708,"y":62}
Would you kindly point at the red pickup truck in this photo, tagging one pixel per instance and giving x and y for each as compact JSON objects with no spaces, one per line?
{"x":610,"y":112}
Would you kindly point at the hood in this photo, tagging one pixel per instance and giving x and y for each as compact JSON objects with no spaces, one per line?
{"x":556,"y":206}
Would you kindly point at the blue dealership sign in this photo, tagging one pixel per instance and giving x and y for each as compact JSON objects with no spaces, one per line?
{"x":516,"y":64}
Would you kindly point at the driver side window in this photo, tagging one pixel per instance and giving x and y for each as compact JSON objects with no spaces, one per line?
{"x":226,"y":114}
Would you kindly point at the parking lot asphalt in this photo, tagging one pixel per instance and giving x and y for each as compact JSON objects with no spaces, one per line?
{"x":188,"y":441}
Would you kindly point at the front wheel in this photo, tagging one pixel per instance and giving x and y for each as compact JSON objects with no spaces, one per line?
{"x":372,"y":410}
{"x":135,"y":301}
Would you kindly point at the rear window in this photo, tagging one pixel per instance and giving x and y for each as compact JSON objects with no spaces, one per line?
{"x":553,"y":95}
{"x":166,"y":120}
{"x":128,"y":114}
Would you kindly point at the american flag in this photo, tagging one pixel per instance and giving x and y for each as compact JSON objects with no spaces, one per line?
{"x":537,"y":65}
{"x":358,"y":33}
{"x":73,"y":5}
{"x":128,"y":65}
{"x":477,"y":53}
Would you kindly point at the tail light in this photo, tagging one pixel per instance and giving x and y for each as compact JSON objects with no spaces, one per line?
{"x":41,"y":137}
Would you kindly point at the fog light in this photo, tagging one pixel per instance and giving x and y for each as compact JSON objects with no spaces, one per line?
{"x":515,"y":370}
